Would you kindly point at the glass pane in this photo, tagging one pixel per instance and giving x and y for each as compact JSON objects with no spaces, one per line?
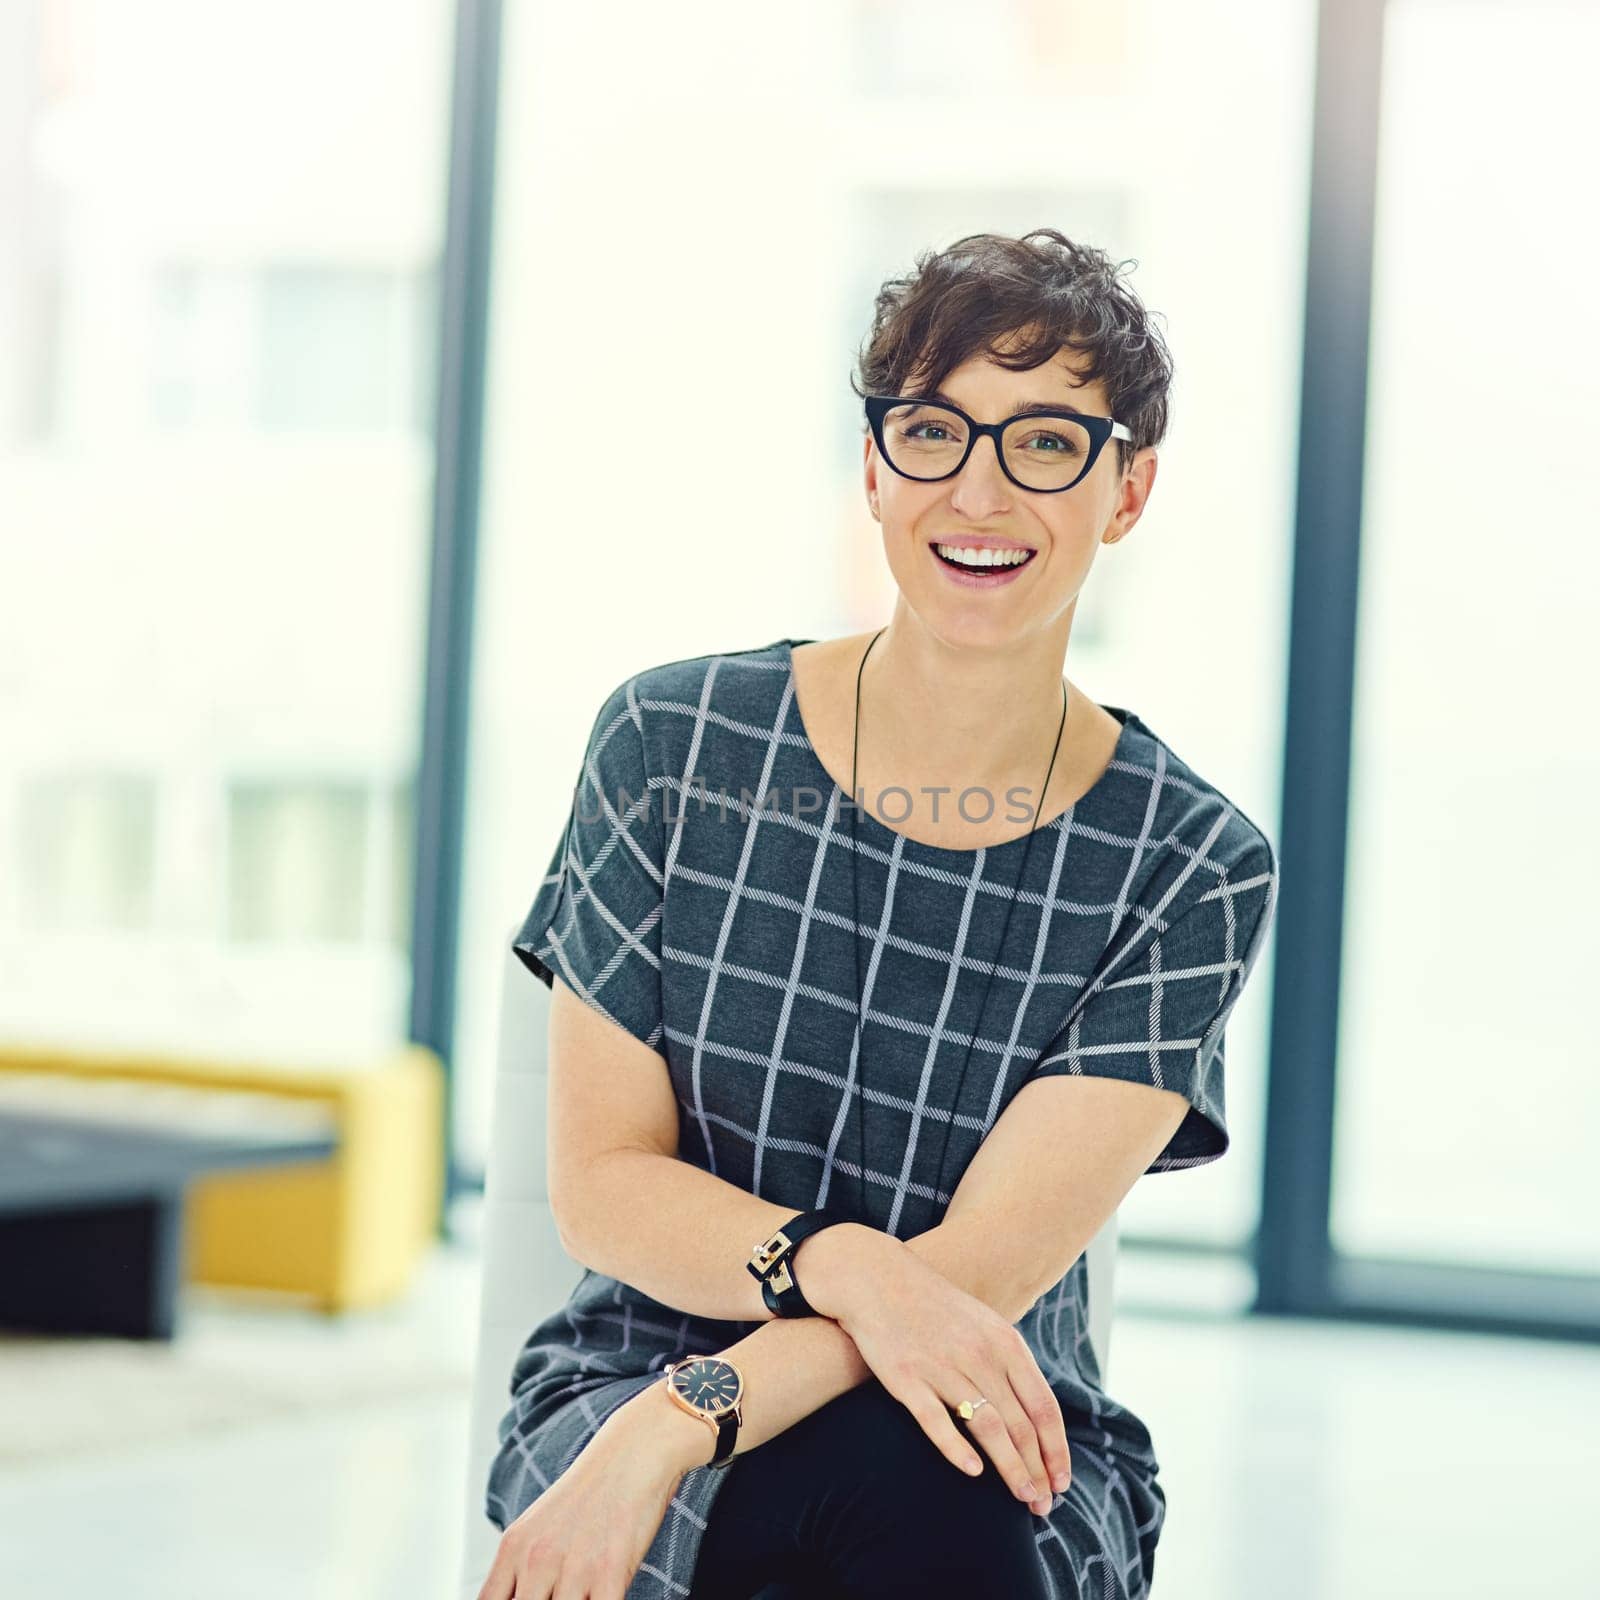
{"x":1468,"y":1095}
{"x":604,"y":554}
{"x":218,"y":311}
{"x":297,"y":861}
{"x":85,"y":851}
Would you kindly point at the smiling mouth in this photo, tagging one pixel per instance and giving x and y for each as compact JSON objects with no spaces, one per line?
{"x":995,"y":561}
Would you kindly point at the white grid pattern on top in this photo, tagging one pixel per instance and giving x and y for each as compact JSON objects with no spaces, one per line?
{"x":700,"y":898}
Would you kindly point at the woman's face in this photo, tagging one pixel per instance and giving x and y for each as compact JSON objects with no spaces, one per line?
{"x":1063,"y":530}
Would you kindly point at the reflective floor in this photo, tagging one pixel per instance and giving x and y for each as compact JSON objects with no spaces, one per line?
{"x":1314,"y":1461}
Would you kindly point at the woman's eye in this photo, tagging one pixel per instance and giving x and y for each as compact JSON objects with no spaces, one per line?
{"x":1067,"y":446}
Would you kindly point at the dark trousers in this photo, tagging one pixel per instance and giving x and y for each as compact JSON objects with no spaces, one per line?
{"x":855,"y":1502}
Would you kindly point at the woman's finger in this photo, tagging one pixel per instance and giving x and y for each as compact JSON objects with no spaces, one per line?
{"x":536,"y":1579}
{"x":1051,"y":1456}
{"x":1029,"y":1481}
{"x":935,"y":1420}
{"x":1033,"y":1480}
{"x":990,"y":1427}
{"x":590,"y":1582}
{"x":538,"y":1568}
{"x":499,"y":1585}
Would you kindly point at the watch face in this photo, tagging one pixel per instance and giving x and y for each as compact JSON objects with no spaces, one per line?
{"x":708,"y":1384}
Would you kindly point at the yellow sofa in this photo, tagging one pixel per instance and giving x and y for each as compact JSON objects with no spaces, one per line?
{"x":348,"y":1230}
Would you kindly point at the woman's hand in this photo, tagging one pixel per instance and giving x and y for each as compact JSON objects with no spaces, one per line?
{"x":933,"y":1345}
{"x":584,"y":1537}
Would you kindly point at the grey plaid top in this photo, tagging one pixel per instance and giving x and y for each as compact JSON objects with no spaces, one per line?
{"x":700,"y":897}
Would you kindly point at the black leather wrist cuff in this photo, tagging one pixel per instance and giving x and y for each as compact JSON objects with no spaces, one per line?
{"x":769,"y":1254}
{"x":782,"y":1293}
{"x":780,"y":1287}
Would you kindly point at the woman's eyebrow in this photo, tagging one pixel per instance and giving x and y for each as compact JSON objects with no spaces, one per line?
{"x":1026,"y":409}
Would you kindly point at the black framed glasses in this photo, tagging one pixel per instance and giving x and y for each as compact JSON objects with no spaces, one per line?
{"x":1044,"y":450}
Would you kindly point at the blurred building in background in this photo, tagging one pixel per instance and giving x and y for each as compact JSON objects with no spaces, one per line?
{"x":220,"y":298}
{"x":220,"y":315}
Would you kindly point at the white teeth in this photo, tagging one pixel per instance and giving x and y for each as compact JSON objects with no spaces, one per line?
{"x":982,"y":558}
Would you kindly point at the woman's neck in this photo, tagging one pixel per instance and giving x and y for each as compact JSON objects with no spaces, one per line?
{"x":965,"y":717}
{"x":913,"y":739}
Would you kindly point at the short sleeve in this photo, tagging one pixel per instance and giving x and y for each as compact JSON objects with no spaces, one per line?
{"x":1159,"y":1018}
{"x":595,"y":921}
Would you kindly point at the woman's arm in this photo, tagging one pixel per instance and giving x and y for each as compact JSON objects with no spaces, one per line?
{"x":684,"y":1237}
{"x":1044,"y":1181}
{"x":590,"y":1528}
{"x":793,"y":1365}
{"x":627,"y":1206}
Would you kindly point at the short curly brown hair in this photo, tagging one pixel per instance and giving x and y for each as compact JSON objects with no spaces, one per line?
{"x":1031,"y":295}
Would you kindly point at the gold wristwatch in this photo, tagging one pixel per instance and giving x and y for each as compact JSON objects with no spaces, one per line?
{"x":712,"y":1389}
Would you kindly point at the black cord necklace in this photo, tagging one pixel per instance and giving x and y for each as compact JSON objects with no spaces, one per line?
{"x":1027,"y":850}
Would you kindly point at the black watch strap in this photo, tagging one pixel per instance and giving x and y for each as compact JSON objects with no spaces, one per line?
{"x":727,"y":1437}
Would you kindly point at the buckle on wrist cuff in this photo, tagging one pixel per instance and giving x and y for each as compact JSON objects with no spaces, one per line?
{"x":768,"y":1252}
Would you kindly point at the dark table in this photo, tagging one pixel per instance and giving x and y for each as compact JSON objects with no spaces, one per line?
{"x":91,"y":1208}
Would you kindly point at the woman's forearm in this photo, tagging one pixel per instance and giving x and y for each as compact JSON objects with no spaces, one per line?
{"x":677,"y":1233}
{"x":791,"y":1365}
{"x":683,"y":1236}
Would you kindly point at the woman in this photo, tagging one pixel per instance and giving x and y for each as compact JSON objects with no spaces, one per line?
{"x":944,"y":1028}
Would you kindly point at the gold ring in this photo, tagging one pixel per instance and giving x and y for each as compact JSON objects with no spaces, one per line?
{"x":967,"y":1407}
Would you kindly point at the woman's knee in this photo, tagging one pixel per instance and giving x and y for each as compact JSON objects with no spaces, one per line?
{"x":921,"y":1538}
{"x":879,"y":1431}
{"x":899,"y":1511}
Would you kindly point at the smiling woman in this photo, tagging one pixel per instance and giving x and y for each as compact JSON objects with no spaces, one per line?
{"x":844,"y":1007}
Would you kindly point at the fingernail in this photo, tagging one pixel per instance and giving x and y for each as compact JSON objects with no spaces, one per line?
{"x":1061,"y":1482}
{"x":1028,"y":1491}
{"x":1041,"y":1505}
